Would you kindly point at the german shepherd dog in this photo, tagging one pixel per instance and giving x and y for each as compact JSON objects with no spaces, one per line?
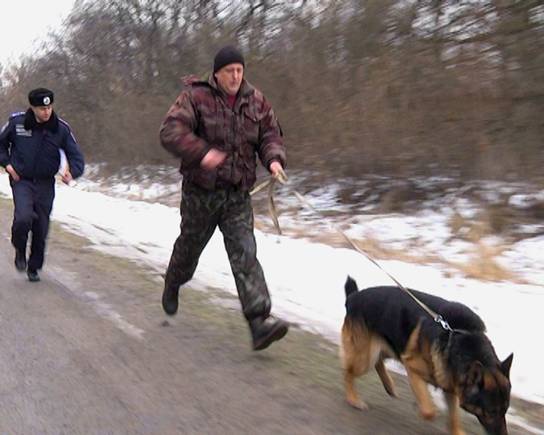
{"x":385,"y":322}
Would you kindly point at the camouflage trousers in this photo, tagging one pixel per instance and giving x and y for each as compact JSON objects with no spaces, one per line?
{"x":230,"y":209}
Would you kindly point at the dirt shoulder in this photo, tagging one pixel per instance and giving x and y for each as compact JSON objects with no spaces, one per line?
{"x":194,"y":373}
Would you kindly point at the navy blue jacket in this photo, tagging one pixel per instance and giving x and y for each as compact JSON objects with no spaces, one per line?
{"x":33,"y":148}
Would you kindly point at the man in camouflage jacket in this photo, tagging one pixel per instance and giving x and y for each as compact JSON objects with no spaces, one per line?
{"x":217,"y":127}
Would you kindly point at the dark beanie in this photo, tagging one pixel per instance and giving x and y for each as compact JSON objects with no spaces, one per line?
{"x":226,"y":56}
{"x":40,"y":97}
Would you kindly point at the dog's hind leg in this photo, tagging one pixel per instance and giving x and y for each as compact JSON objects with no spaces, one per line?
{"x":453,"y":411}
{"x":386,"y":379}
{"x":355,"y":354}
{"x":352,"y":397}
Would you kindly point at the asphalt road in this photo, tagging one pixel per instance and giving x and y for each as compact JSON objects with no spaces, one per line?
{"x":88,"y":350}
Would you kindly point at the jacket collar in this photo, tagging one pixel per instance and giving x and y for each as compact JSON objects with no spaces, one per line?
{"x":30,"y":122}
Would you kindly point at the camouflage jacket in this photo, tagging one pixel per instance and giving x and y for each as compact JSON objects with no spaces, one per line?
{"x":200,"y":119}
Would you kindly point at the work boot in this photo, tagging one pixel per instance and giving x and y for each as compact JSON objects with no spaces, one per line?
{"x":33,"y":275}
{"x":265,"y":331}
{"x":20,"y":260}
{"x":170,"y":299}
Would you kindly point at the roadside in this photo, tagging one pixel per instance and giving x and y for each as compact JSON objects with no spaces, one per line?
{"x":89,"y":350}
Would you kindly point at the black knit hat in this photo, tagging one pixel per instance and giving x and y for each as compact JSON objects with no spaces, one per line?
{"x":226,"y":56}
{"x":40,"y":97}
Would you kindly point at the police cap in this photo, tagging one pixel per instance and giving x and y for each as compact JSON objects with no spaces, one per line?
{"x":40,"y":97}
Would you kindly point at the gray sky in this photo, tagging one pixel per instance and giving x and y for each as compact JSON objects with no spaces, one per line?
{"x":26,"y":23}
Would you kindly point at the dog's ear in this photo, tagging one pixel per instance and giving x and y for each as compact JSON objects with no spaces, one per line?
{"x":506,"y":364}
{"x":475,"y":375}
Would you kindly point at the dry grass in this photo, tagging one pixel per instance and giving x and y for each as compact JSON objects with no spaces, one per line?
{"x":483,"y":266}
{"x":482,"y":263}
{"x":489,"y":233}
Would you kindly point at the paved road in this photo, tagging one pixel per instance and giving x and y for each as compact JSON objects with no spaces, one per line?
{"x":89,"y":351}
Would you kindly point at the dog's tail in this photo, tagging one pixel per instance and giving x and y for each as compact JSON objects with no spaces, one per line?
{"x":350,"y":286}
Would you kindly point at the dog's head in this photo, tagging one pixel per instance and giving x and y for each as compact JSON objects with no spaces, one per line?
{"x":485,"y":393}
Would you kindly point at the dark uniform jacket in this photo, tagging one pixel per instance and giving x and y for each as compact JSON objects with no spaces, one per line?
{"x":33,"y":149}
{"x":201,"y":119}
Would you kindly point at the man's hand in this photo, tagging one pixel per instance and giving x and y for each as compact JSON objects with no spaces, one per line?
{"x":213,"y":159}
{"x":67,"y":178}
{"x":276,"y":169}
{"x":13,"y":173}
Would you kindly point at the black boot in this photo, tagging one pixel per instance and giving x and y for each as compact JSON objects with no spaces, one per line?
{"x":265,"y":331}
{"x":20,"y":260}
{"x":33,"y":275}
{"x":170,"y":299}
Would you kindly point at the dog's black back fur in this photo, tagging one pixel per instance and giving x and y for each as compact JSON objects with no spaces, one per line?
{"x":391,"y":312}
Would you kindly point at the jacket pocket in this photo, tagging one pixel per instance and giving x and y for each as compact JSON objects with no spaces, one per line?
{"x":251,"y":123}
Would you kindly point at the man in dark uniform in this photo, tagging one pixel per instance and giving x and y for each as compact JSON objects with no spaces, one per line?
{"x":217,"y":127}
{"x":30,"y":145}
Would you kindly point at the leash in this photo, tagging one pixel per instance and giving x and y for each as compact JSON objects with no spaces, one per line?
{"x":282,"y":179}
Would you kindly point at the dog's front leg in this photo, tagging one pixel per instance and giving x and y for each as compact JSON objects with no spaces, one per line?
{"x":421,"y":392}
{"x":453,"y":409}
{"x":416,"y":366}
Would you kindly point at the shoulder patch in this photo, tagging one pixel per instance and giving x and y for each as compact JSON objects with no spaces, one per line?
{"x":13,"y":115}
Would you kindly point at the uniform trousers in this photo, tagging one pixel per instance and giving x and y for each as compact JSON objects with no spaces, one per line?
{"x":33,"y":200}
